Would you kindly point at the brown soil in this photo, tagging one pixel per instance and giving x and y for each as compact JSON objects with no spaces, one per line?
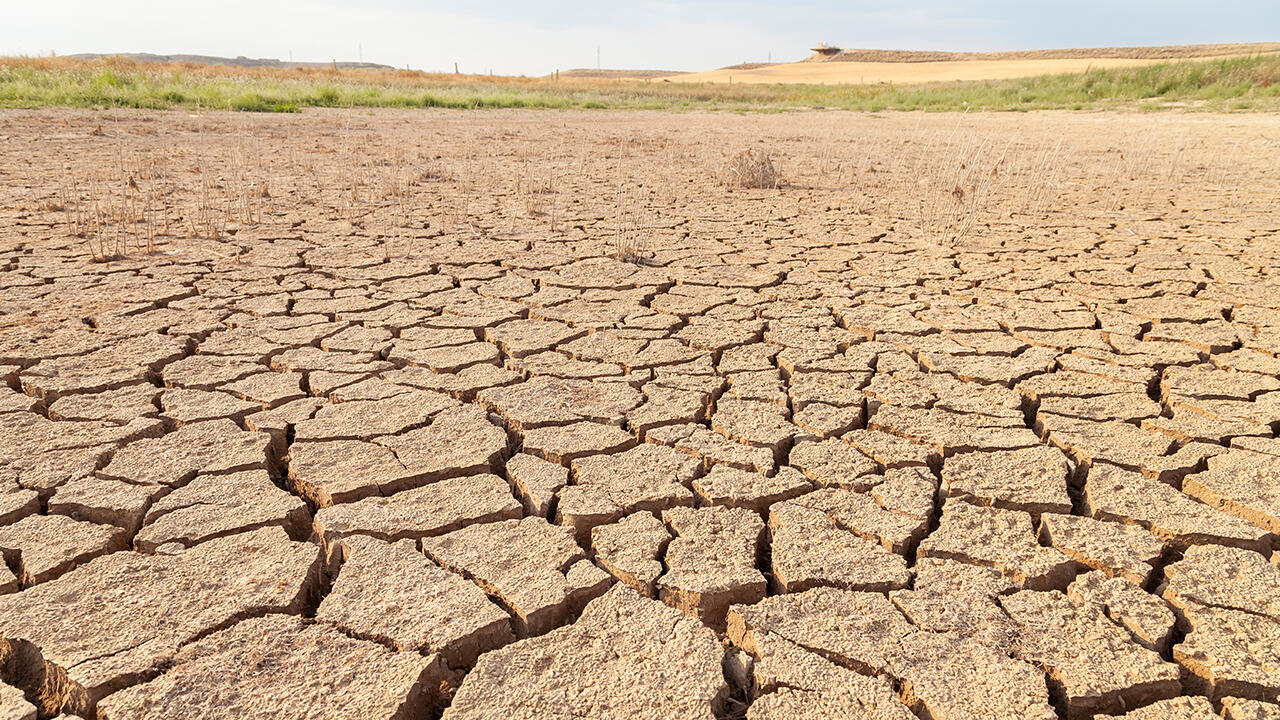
{"x":529,"y":414}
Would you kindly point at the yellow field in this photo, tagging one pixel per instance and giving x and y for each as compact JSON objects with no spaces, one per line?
{"x":907,"y":73}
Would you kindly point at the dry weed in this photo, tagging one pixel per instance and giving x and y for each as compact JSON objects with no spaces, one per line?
{"x":752,"y":168}
{"x":627,"y":243}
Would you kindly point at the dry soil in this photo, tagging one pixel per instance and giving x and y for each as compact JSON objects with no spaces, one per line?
{"x":530,"y":415}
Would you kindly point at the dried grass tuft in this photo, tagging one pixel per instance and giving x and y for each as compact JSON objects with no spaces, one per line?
{"x":751,"y":168}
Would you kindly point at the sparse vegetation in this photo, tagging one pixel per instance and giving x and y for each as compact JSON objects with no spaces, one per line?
{"x":1240,"y":83}
{"x":947,"y":183}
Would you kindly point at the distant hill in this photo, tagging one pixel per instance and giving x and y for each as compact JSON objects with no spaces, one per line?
{"x":1155,"y":52}
{"x":750,"y":66}
{"x":617,"y":74}
{"x":854,"y":66}
{"x":240,"y":61}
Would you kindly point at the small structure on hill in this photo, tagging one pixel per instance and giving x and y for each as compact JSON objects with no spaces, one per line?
{"x":826,"y":50}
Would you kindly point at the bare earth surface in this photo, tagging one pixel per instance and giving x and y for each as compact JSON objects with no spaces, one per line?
{"x":528,"y":415}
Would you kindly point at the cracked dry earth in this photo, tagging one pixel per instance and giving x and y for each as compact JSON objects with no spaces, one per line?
{"x":799,"y":459}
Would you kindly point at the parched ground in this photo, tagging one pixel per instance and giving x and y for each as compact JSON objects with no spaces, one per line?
{"x":533,"y":415}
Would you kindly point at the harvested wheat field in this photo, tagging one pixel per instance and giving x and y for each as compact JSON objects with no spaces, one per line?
{"x":859,"y":67}
{"x":540,"y":414}
{"x":910,"y":73}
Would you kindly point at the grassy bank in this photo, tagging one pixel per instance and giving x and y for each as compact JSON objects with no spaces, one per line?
{"x":1243,"y":83}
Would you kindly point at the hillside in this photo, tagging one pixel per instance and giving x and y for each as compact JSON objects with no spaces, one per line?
{"x":240,"y":61}
{"x":606,"y":74}
{"x":907,"y":67}
{"x":1230,"y":83}
{"x":1154,"y":52}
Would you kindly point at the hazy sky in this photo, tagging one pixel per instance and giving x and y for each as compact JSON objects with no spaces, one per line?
{"x":535,"y":37}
